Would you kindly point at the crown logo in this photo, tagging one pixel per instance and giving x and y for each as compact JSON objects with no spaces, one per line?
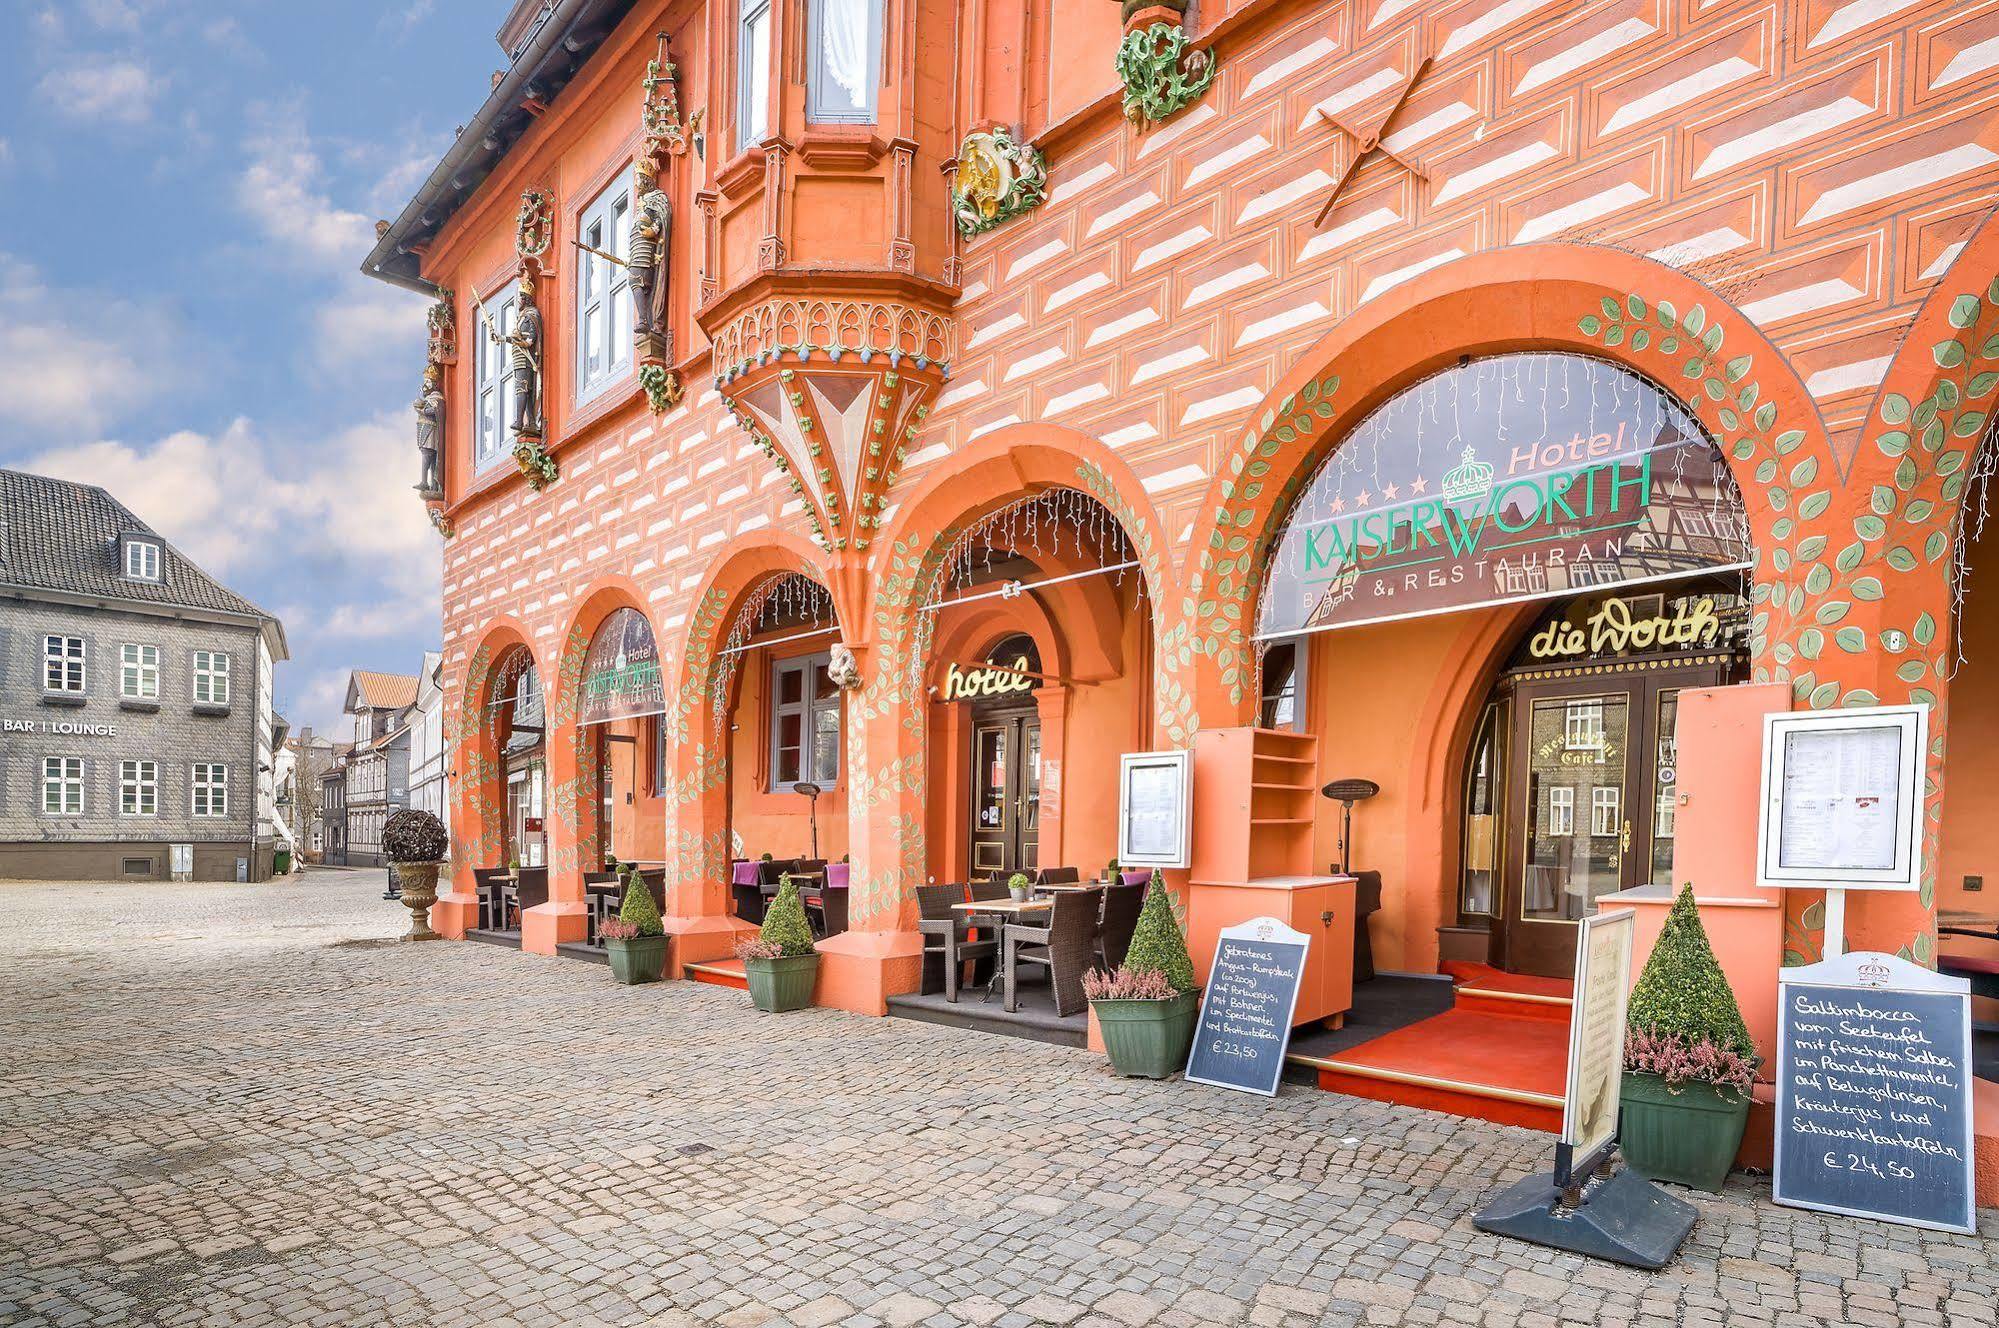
{"x":1469,"y":479}
{"x":1873,"y":971}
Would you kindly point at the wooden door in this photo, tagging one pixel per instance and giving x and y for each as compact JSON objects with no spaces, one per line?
{"x":1006,"y":795}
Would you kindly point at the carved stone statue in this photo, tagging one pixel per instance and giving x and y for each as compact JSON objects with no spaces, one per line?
{"x":652,"y":224}
{"x":524,"y":360}
{"x":843,"y":668}
{"x":430,"y":431}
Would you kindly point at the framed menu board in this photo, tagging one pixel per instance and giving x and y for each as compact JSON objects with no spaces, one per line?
{"x":1153,"y":796}
{"x":1842,"y":799}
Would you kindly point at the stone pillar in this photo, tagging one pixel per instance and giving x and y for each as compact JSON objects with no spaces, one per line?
{"x":570,"y":833}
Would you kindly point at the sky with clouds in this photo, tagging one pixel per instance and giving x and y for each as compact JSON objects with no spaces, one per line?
{"x":187,"y":189}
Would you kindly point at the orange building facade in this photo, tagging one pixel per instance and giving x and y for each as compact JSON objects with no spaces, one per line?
{"x":947,"y":449}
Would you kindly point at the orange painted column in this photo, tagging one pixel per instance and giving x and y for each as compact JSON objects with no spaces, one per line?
{"x":476,"y":824}
{"x":1051,"y":702}
{"x":570,"y":832}
{"x":698,"y":904}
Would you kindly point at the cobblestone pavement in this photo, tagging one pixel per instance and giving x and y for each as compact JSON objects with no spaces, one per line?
{"x":237,"y":1105}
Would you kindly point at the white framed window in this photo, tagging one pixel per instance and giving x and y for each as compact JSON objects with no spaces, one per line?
{"x":1604,"y":810}
{"x":752,"y":73}
{"x":211,"y":677}
{"x":62,"y":785}
{"x":603,"y":295}
{"x":1561,"y":810}
{"x":138,"y":788}
{"x":844,"y":74}
{"x":62,"y":664}
{"x":139,"y":672}
{"x":142,"y":560}
{"x":804,"y":723}
{"x":1582,"y":726}
{"x":209,"y":789}
{"x":493,"y":383}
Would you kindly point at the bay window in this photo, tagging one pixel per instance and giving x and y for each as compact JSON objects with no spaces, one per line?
{"x":752,"y":73}
{"x":843,"y":72}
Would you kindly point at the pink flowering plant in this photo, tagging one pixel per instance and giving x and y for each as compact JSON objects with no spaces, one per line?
{"x":756,"y":947}
{"x":617,"y":929}
{"x":1680,"y":1061}
{"x":1127,"y":984}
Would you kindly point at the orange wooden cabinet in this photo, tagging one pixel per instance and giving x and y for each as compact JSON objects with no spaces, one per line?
{"x":1320,"y":906}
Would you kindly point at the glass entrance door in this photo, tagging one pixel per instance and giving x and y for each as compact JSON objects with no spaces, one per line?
{"x":1006,"y":795}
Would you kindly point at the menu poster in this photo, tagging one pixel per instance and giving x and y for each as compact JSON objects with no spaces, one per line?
{"x":1153,"y":792}
{"x":1596,"y":1032}
{"x":1842,"y":799}
{"x":1246,"y":1011}
{"x":1874,"y":1092}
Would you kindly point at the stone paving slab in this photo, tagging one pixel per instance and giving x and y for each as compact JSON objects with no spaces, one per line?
{"x":240,"y":1105}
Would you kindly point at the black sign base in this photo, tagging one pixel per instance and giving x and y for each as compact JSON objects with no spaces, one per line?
{"x":1623,"y":1218}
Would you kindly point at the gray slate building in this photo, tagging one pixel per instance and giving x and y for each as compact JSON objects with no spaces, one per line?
{"x":136,"y":730}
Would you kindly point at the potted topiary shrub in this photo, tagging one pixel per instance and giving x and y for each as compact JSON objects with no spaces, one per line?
{"x":1019,"y":886}
{"x":635,"y":940}
{"x":415,"y":842}
{"x":781,"y":963}
{"x":1147,"y":1007}
{"x":1688,"y":1060}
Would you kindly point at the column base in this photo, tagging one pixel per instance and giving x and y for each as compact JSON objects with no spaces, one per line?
{"x":860,"y":970}
{"x":546,"y":926}
{"x":697,"y":940}
{"x":454,"y":914}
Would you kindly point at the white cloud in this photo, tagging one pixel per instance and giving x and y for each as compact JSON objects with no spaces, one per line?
{"x":97,"y":90}
{"x":71,"y":361}
{"x":368,"y":325}
{"x":282,"y":191}
{"x":320,"y":704}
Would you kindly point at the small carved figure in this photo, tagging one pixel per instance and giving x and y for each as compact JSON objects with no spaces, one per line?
{"x":843,"y":668}
{"x":442,"y":322}
{"x":645,"y":264}
{"x":524,"y":359}
{"x":429,"y":431}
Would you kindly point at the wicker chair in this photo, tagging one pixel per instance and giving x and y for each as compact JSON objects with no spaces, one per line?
{"x":1057,"y":876}
{"x":1067,"y":946}
{"x":655,"y":882}
{"x":601,"y":902}
{"x":1121,"y":908}
{"x":832,"y":911}
{"x":532,"y":890}
{"x":487,"y":881}
{"x":945,"y":932}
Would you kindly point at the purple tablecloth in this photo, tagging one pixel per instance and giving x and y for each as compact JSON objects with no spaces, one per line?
{"x":1142,"y":876}
{"x":746,"y":874}
{"x":836,"y":873}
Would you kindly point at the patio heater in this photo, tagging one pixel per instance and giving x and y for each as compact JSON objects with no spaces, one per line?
{"x":1347,"y":792}
{"x":1367,"y":884}
{"x":811,"y":792}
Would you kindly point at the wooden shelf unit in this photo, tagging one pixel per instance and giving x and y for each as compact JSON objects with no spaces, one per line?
{"x":1256,"y":811}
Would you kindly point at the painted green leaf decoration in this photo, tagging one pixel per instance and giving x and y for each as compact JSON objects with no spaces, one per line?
{"x":1964,"y":311}
{"x":1860,"y":696}
{"x":1850,"y":639}
{"x":1911,"y":669}
{"x":1867,"y":587}
{"x":1814,"y":504}
{"x":1925,"y":630}
{"x":1949,"y":354}
{"x":1823,"y":695}
{"x":1893,"y":443}
{"x":1789,"y":441}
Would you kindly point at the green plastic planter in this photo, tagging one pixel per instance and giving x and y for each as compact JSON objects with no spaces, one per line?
{"x":640,"y":959}
{"x":1690,"y":1136}
{"x":1148,"y":1039}
{"x":777,"y":985}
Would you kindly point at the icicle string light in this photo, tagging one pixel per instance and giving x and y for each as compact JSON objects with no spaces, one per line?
{"x":793,"y":601}
{"x":1974,"y":508}
{"x":1045,"y":525}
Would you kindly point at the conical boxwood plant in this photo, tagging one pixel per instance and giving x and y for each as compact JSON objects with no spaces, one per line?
{"x":785,"y":925}
{"x":1156,"y":943}
{"x":1683,"y":991}
{"x":638,"y":907}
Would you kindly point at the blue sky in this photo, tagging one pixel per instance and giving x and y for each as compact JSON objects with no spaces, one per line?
{"x":187,"y":188}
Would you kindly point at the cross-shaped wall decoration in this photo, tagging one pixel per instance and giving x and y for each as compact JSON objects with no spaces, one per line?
{"x":1369,"y":143}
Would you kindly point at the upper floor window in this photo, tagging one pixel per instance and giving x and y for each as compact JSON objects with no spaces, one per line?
{"x":753,"y":74}
{"x":845,"y":70}
{"x":492,"y":382}
{"x":211,"y":677}
{"x":142,"y":560}
{"x":139,"y":672}
{"x":603,"y":296}
{"x":62,"y":785}
{"x":62,"y":664}
{"x":804,"y":723}
{"x":210,"y":789}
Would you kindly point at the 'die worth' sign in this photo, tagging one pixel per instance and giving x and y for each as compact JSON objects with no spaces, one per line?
{"x":1874,"y":1092}
{"x":1247,"y":1008}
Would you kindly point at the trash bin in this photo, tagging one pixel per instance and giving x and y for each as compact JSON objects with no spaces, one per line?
{"x":281,"y":862}
{"x":242,"y":870}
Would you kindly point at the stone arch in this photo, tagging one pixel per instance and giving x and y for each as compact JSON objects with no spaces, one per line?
{"x":1633,"y":311}
{"x":478,"y":812}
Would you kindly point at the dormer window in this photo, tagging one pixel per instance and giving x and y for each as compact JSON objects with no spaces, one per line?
{"x":142,"y":560}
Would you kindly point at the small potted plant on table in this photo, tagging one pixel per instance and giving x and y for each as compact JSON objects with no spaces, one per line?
{"x":415,"y":842}
{"x":780,"y":962}
{"x":1147,"y":1007}
{"x":1688,"y":1060}
{"x":635,"y":940}
{"x":1019,"y":887}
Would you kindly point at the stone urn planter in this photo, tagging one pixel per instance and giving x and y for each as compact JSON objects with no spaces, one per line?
{"x":415,"y":843}
{"x":1148,"y":1039}
{"x":780,"y":962}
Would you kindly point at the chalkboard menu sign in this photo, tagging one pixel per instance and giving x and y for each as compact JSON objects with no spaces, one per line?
{"x":1874,"y":1092}
{"x":1246,"y":1011}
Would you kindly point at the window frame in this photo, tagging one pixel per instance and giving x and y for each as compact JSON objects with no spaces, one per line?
{"x":1561,"y":811}
{"x":150,"y":560}
{"x":493,"y":382}
{"x":59,"y":661}
{"x":1267,"y":702}
{"x":138,"y":785}
{"x":815,"y":110}
{"x":1599,"y":805}
{"x":609,"y":310}
{"x":808,"y":708}
{"x":210,"y":778}
{"x":212,"y":675}
{"x":62,"y":783}
{"x":138,"y":666}
{"x":750,"y":109}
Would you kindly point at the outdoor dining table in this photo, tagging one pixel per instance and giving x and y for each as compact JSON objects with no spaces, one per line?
{"x":1963,"y":922}
{"x":1006,"y":910}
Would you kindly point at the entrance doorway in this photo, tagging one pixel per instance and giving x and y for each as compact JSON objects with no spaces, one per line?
{"x":1006,"y":794}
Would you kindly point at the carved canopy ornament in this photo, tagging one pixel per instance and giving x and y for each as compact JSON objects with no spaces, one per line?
{"x":998,"y":178}
{"x":534,"y":227}
{"x":1161,"y":74}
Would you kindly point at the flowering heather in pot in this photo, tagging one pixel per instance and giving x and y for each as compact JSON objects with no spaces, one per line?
{"x":756,"y":947}
{"x":617,"y":929}
{"x":1683,"y":993}
{"x":413,"y":836}
{"x":1126,"y":984}
{"x":1681,"y":1062}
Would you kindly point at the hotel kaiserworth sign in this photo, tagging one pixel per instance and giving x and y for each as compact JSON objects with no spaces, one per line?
{"x":621,"y":675}
{"x":1518,"y":477}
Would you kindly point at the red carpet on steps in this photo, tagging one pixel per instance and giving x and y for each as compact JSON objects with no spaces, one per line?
{"x":1482,"y":977}
{"x":1457,"y":1054}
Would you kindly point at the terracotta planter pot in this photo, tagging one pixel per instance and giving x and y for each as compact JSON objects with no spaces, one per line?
{"x":777,"y":985}
{"x":1690,"y":1136}
{"x":641,"y":959}
{"x":1148,"y":1039}
{"x":418,"y":882}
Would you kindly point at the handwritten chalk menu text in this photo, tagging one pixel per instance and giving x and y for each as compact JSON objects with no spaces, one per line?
{"x":1874,"y":1092}
{"x":1246,"y":1011}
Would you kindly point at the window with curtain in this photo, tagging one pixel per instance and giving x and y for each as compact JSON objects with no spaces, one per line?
{"x":845,"y":70}
{"x":753,"y":74}
{"x":603,"y":297}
